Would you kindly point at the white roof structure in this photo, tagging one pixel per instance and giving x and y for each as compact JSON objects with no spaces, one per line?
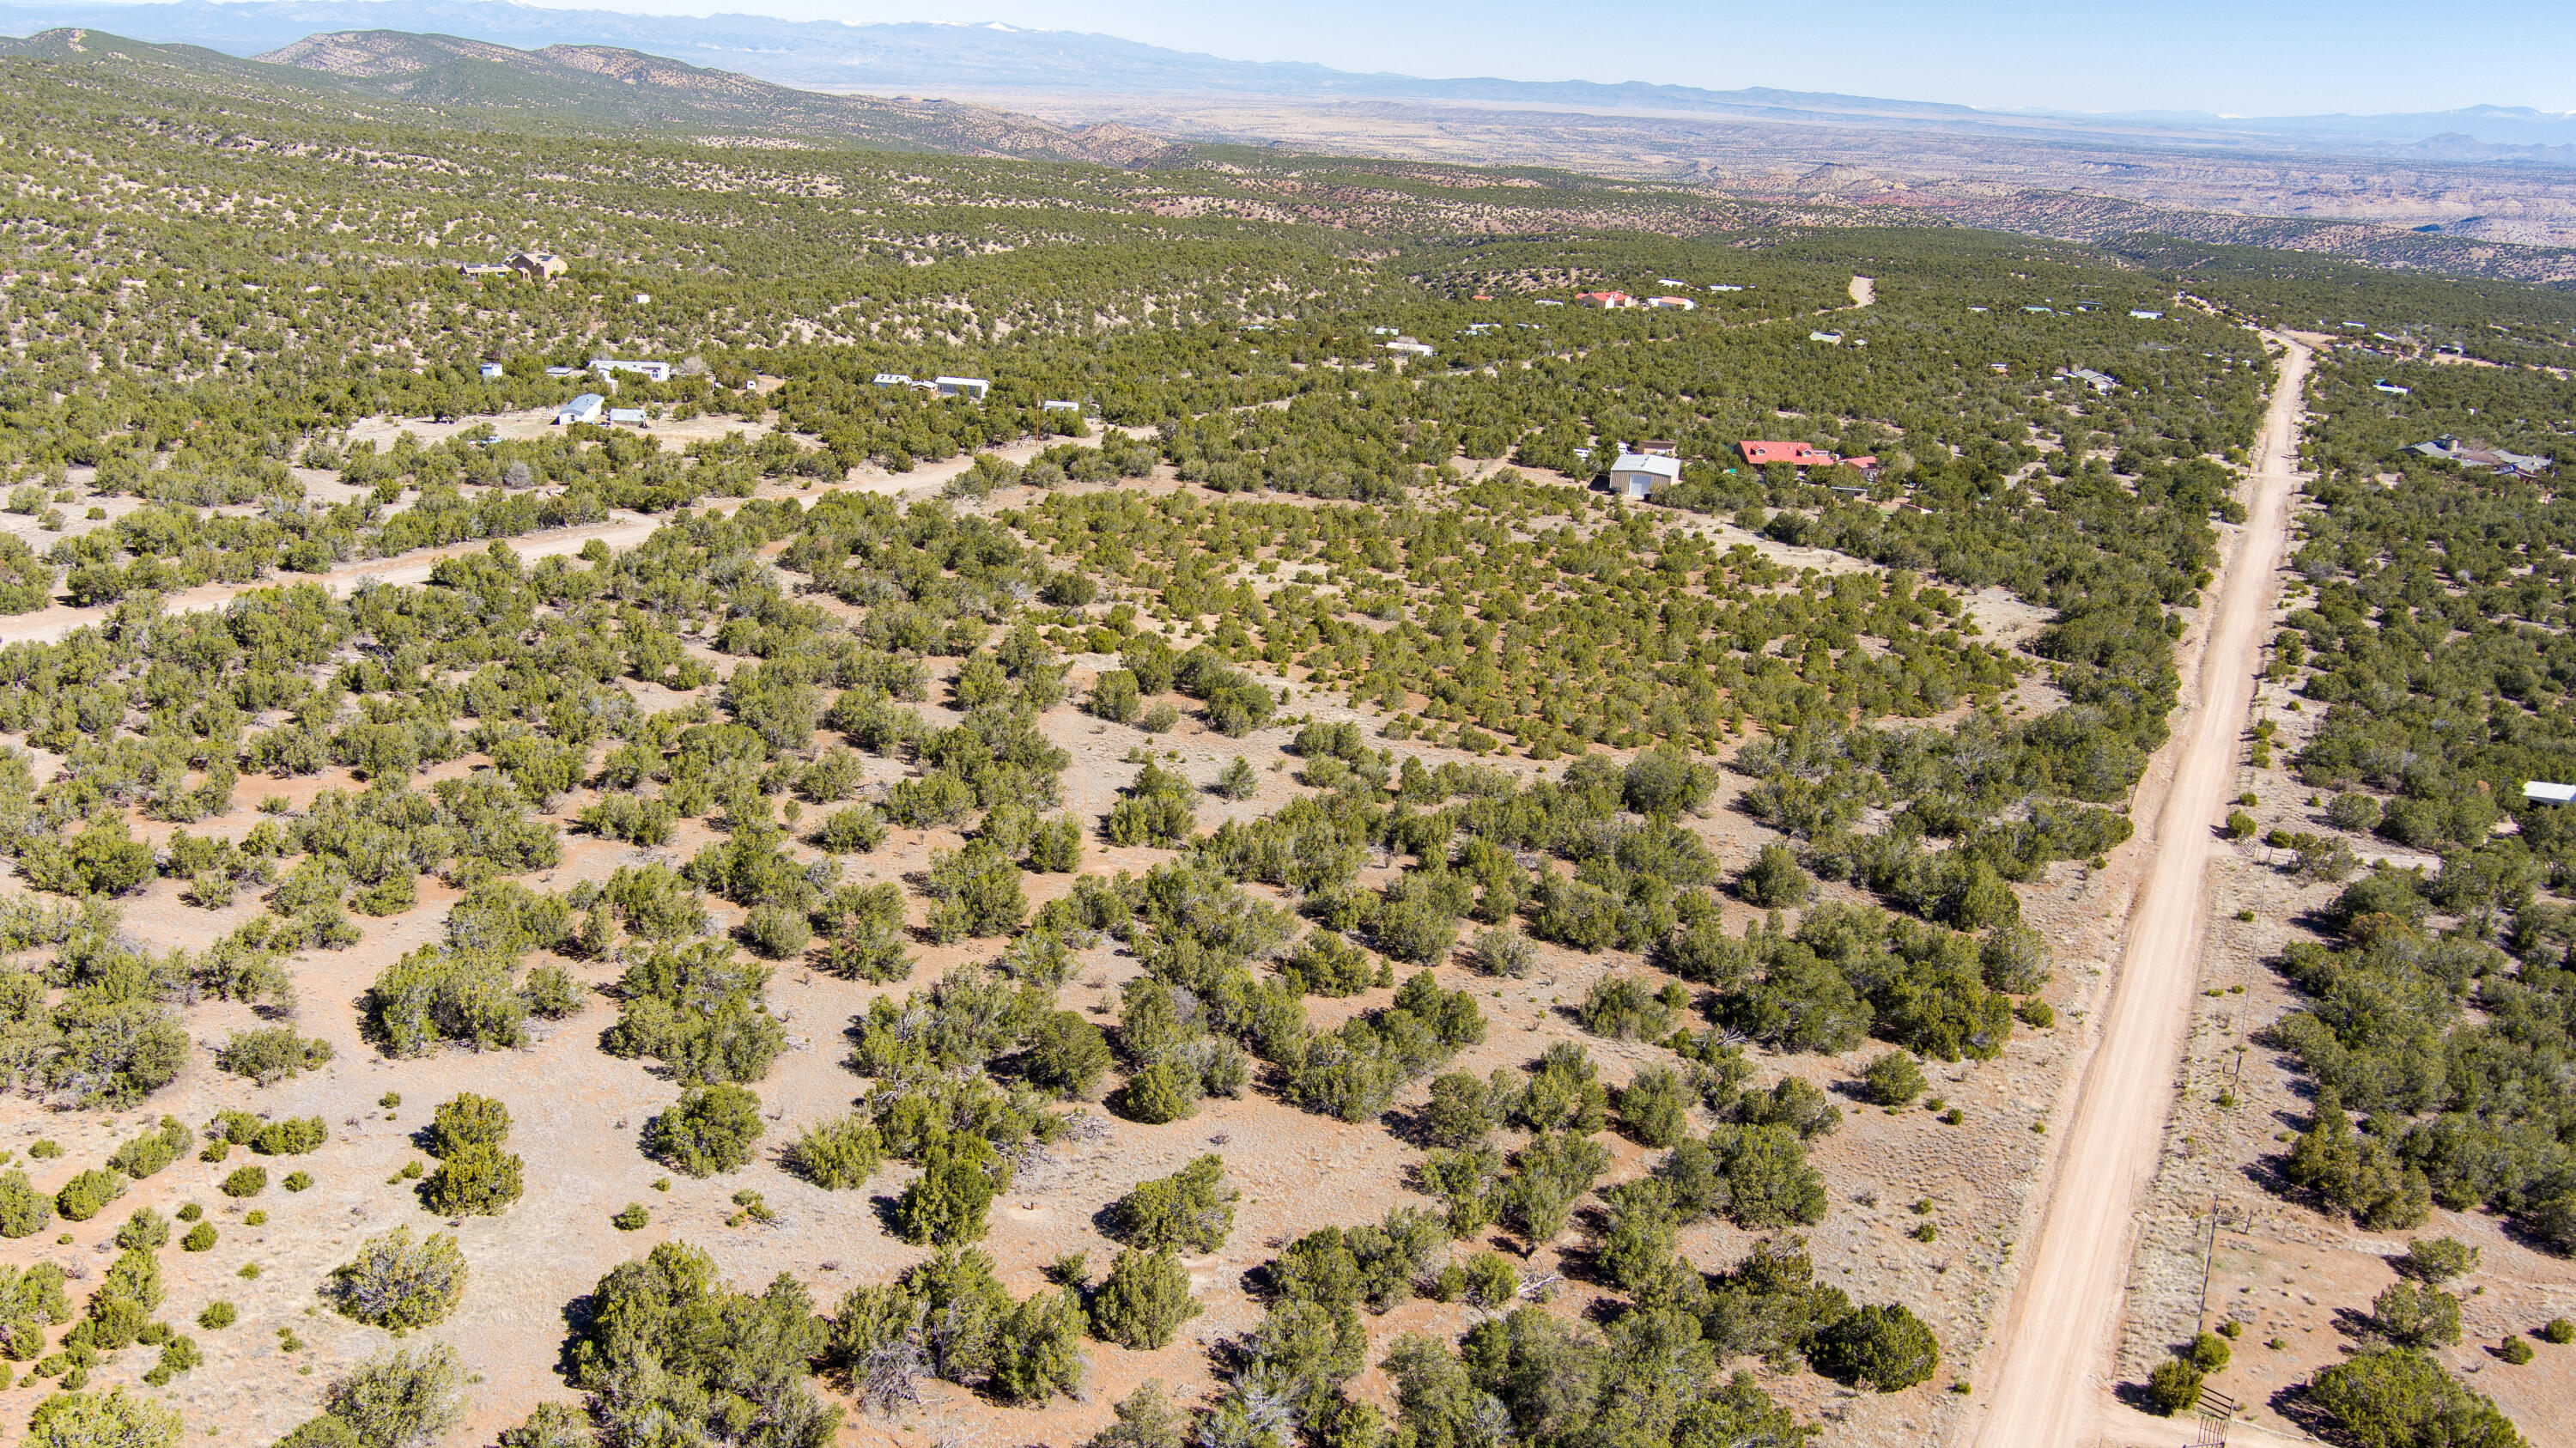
{"x":657,"y":371}
{"x":630,"y":416}
{"x":1637,"y":475}
{"x":2538,"y":792}
{"x":974,"y":387}
{"x":584,"y":408}
{"x":894,"y":379}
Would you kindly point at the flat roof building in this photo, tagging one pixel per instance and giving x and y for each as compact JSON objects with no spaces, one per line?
{"x":1637,"y":475}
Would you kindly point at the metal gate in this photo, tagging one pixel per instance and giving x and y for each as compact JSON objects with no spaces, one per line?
{"x":2217,"y":1410}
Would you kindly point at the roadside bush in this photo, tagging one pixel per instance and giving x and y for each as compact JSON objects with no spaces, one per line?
{"x":397,"y":1283}
{"x":1886,"y":1348}
{"x":709,"y":1129}
{"x":2174,"y":1386}
{"x":2402,"y":1398}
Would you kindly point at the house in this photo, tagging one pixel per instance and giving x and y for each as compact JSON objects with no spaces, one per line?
{"x":625,"y":417}
{"x":1637,"y":475}
{"x":486,"y":269}
{"x":1795,"y":454}
{"x":2392,"y":389}
{"x":1670,"y":282}
{"x":2003,"y":367}
{"x":1676,"y":303}
{"x":894,"y":379}
{"x":1546,"y":302}
{"x":1833,"y":338}
{"x":2146,"y":316}
{"x":2451,"y":449}
{"x":1658,"y":449}
{"x":2537,"y":792}
{"x":544,"y":265}
{"x":2044,"y":311}
{"x":650,"y":371}
{"x":974,"y":387}
{"x":1408,"y":347}
{"x":585,"y":408}
{"x":560,"y":373}
{"x":1052,"y":405}
{"x":1609,"y":301}
{"x":643,"y":299}
{"x":2098,"y":381}
{"x":1724,"y":287}
{"x":491,"y":371}
{"x":1481,"y":297}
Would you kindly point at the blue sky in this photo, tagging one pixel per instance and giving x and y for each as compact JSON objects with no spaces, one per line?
{"x":2249,"y":57}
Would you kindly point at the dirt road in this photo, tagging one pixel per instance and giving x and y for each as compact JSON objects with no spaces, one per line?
{"x":2046,"y":1383}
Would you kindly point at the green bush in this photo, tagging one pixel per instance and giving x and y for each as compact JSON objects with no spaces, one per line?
{"x":2210,"y":1352}
{"x":147,"y":1230}
{"x":1775,"y":880}
{"x":467,"y":1120}
{"x":947,"y":1203}
{"x":217,"y":1316}
{"x":1192,"y":1208}
{"x":710,"y":1129}
{"x":853,"y":831}
{"x":1067,"y":1054}
{"x":200,"y":1238}
{"x":1654,"y":1109}
{"x":2517,"y":1351}
{"x":776,"y":931}
{"x":271,"y":1054}
{"x":87,"y":1194}
{"x":552,"y":993}
{"x":474,"y":1181}
{"x":1164,"y":1091}
{"x":1144,"y":1300}
{"x":101,"y":1420}
{"x":1886,"y":1348}
{"x":397,"y":1283}
{"x":24,"y":1211}
{"x":840,"y":1154}
{"x":247,"y":1181}
{"x":2560,"y":1330}
{"x":1893,"y":1079}
{"x":2174,"y":1386}
{"x":2412,"y":1316}
{"x":2402,"y":1398}
{"x":406,"y":1399}
{"x":633,"y":1219}
{"x":1038,"y":1349}
{"x":293,"y":1136}
{"x":154,"y":1149}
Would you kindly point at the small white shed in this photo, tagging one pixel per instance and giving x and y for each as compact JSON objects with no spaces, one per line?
{"x":1637,"y":475}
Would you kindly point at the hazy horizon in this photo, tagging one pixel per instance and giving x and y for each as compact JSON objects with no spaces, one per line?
{"x":2303,"y":57}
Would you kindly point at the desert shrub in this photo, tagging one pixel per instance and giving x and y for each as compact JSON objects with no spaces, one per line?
{"x":668,"y":1348}
{"x":405,"y":1399}
{"x":290,"y":1136}
{"x":2402,"y":1398}
{"x":474,"y":1181}
{"x":1886,"y":1348}
{"x":867,"y":934}
{"x":1622,"y":1008}
{"x":709,"y":1129}
{"x":1503,"y":951}
{"x":271,"y":1054}
{"x":397,"y":1283}
{"x":325,"y":1431}
{"x":1144,"y":1300}
{"x":87,"y":1194}
{"x":1114,"y":696}
{"x":2015,"y":959}
{"x":24,"y":1211}
{"x":1775,"y":881}
{"x":154,"y":1149}
{"x":776,"y":931}
{"x":2412,"y":1316}
{"x":1548,"y":1175}
{"x":1067,"y":1054}
{"x":1654,"y":1109}
{"x":200,"y":1238}
{"x":1892,"y":1079}
{"x":1792,"y":1103}
{"x":467,"y":1120}
{"x":1463,"y":1109}
{"x":549,"y":1425}
{"x":429,"y":997}
{"x":701,"y":1010}
{"x":2437,"y":1260}
{"x":2560,"y":1330}
{"x":247,"y":1181}
{"x":217,"y":1316}
{"x":1192,"y":1208}
{"x":101,"y":1420}
{"x":2210,"y":1352}
{"x":1325,"y":964}
{"x":947,"y":1203}
{"x":1565,"y":1094}
{"x":147,"y":1230}
{"x":552,"y":993}
{"x":1164,"y":1091}
{"x":1146,"y":1419}
{"x":853,"y":831}
{"x":2174,"y":1386}
{"x":976,"y":893}
{"x":840,"y":1154}
{"x":1038,"y":1349}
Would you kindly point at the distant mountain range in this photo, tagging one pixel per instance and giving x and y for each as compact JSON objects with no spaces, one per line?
{"x":456,"y":82}
{"x":987,"y":60}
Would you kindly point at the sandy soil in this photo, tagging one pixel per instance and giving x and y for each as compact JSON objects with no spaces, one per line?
{"x":2047,"y":1386}
{"x":1864,"y":291}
